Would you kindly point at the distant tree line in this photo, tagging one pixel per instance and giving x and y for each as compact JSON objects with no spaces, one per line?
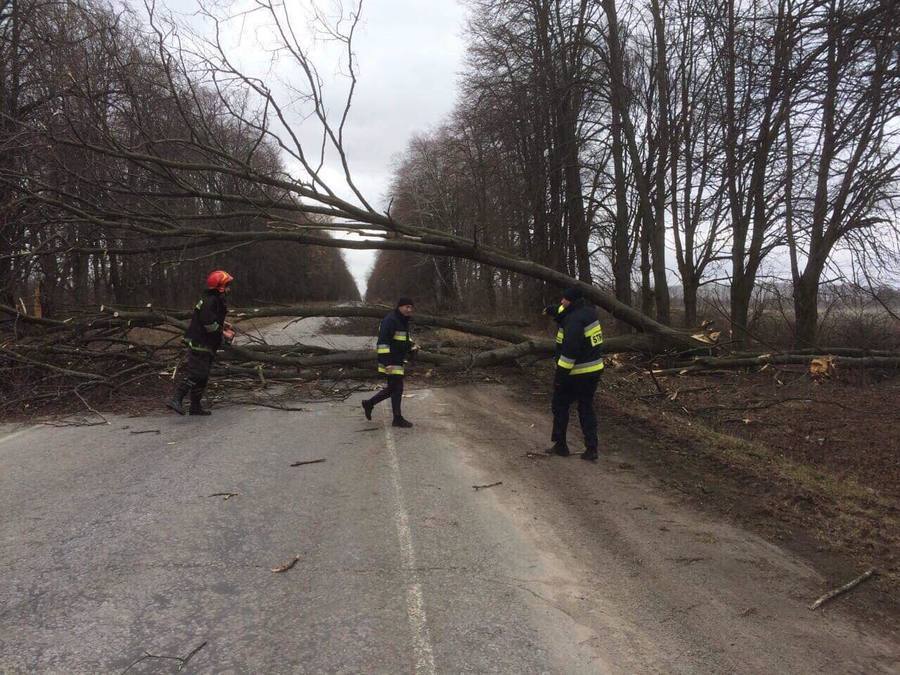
{"x":629,"y":143}
{"x":72,"y":76}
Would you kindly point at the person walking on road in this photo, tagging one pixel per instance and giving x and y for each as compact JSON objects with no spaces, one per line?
{"x":579,"y":365}
{"x":203,"y":338}
{"x":395,"y":345}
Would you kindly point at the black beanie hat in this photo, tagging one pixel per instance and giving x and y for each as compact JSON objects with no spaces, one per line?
{"x":572,"y":294}
{"x":404,"y":301}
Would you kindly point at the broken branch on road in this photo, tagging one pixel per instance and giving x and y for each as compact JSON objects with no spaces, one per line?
{"x":182,"y":660}
{"x":308,"y":461}
{"x":489,"y":485}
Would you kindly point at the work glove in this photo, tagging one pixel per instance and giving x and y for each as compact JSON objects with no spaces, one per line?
{"x":414,"y":347}
{"x":228,"y":335}
{"x":550,"y":310}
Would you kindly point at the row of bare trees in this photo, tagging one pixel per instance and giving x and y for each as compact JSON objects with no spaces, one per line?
{"x":634,"y":143}
{"x":73,"y":77}
{"x":590,"y":142}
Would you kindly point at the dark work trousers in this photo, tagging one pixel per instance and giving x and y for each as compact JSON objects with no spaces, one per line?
{"x":575,"y":389}
{"x":196,"y":372}
{"x":394,"y":391}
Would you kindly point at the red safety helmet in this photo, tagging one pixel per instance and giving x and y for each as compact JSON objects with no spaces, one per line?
{"x":218,"y":280}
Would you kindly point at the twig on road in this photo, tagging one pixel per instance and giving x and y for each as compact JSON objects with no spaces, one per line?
{"x":146,"y":431}
{"x":226,"y":495}
{"x":308,"y":461}
{"x":287,"y":566}
{"x":89,"y":407}
{"x":831,"y":595}
{"x":181,"y":659}
{"x":489,"y":485}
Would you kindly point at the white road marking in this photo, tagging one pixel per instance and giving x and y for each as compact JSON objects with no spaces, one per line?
{"x":13,"y":435}
{"x":415,"y":603}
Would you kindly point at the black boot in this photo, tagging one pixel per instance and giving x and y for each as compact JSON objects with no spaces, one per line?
{"x":402,"y":423}
{"x":178,"y":396}
{"x":558,"y":449}
{"x":367,"y":408}
{"x":196,"y":408}
{"x":590,"y":454}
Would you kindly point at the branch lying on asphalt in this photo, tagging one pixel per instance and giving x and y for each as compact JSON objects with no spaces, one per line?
{"x":489,"y":485}
{"x":308,"y":461}
{"x":182,"y":660}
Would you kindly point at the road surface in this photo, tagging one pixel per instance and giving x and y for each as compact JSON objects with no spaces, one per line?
{"x":111,"y":548}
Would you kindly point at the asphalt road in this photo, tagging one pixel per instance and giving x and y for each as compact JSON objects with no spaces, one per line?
{"x":111,"y":548}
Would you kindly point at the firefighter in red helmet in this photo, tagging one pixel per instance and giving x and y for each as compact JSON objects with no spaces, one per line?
{"x":203,"y":338}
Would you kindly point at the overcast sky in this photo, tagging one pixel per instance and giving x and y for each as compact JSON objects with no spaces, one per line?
{"x":408,"y":56}
{"x":409,"y":53}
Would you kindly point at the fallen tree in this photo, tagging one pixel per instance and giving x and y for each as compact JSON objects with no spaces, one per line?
{"x":706,"y":364}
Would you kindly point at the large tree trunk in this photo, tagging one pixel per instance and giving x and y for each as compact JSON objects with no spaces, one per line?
{"x":806,"y":311}
{"x":658,"y":241}
{"x":690,"y":287}
{"x":622,"y":230}
{"x":741,"y":293}
{"x":574,"y":198}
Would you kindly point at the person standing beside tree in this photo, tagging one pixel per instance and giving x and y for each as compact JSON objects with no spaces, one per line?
{"x":203,"y":338}
{"x":579,"y":366}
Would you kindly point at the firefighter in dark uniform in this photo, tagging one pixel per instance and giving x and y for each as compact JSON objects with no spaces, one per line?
{"x":203,"y":338}
{"x":394,"y":347}
{"x":579,"y":365}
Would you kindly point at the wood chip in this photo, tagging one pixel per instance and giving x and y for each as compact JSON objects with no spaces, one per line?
{"x":287,"y":566}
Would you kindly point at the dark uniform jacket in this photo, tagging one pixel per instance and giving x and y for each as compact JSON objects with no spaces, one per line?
{"x":204,"y":334}
{"x":579,"y":339}
{"x":556,"y":312}
{"x":394,"y":343}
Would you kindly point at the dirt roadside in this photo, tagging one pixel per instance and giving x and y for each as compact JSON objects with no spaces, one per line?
{"x":664,"y":563}
{"x":838,"y":523}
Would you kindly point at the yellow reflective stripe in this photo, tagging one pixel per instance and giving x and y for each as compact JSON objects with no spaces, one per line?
{"x":383,"y":350}
{"x":559,"y":310}
{"x":589,"y":367}
{"x":593,"y":329}
{"x":565,"y":363}
{"x":193,"y":346}
{"x":199,"y":304}
{"x":559,"y":336}
{"x":391,"y":370}
{"x":400,"y":333}
{"x":402,"y":338}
